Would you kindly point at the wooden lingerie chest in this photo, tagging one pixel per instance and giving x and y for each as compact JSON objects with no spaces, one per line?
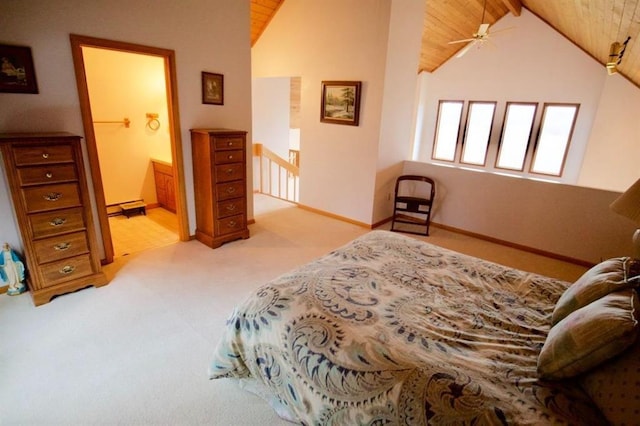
{"x":50,"y":196}
{"x":220,"y":182}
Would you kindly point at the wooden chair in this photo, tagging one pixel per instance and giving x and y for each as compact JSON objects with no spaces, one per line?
{"x":412,"y":203}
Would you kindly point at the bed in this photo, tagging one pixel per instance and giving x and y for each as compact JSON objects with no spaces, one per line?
{"x":389,"y":329}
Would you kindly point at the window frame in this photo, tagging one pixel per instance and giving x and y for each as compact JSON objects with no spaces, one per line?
{"x":437,"y":129}
{"x":466,"y":132}
{"x":569,"y":138}
{"x":527,"y":154}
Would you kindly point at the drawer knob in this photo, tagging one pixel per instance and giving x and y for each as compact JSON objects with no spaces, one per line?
{"x":62,"y":246}
{"x":231,"y":190}
{"x":67,"y":269}
{"x":231,"y":207}
{"x":58,"y":221}
{"x":45,"y":155}
{"x":230,"y":157}
{"x":52,"y":196}
{"x":48,"y":175}
{"x":229,"y":171}
{"x":230,"y":143}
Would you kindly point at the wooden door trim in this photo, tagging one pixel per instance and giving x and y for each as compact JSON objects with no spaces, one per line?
{"x":77,"y":43}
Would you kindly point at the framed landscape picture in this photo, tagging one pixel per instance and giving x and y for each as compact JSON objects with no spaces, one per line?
{"x":212,"y":88}
{"x":17,"y":74}
{"x":340,"y":102}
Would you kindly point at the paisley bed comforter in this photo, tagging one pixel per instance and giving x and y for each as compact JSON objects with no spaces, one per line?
{"x":392,"y":330}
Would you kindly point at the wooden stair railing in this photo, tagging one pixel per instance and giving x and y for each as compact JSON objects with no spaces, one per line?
{"x":278,"y":177}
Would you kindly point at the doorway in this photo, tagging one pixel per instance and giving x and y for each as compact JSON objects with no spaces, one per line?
{"x":130,"y":176}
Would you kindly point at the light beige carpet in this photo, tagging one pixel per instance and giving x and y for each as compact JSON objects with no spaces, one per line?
{"x":136,"y":351}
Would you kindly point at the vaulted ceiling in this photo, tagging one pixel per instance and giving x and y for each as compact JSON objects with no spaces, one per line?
{"x":592,"y":25}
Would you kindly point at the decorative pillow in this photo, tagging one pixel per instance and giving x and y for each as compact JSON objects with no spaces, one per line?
{"x":614,"y":387}
{"x":605,"y":277}
{"x":590,"y":335}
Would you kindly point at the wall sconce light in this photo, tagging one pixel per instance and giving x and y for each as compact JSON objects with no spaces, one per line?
{"x":616,"y":52}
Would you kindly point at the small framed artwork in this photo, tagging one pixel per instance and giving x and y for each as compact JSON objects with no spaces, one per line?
{"x":212,"y":88}
{"x":340,"y":102}
{"x":17,"y":74}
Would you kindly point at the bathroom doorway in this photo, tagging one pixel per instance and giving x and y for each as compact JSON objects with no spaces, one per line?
{"x":129,"y":109}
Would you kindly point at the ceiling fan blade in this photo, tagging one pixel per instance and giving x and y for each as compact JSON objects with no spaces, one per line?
{"x":465,"y":49}
{"x":461,"y":41}
{"x":483,"y":30}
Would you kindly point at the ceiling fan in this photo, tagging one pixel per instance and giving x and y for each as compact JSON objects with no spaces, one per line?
{"x":479,"y":37}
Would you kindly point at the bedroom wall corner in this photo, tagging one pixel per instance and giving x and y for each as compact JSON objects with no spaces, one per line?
{"x":399,"y":103}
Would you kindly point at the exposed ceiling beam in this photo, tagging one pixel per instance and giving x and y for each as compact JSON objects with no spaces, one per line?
{"x":514,"y":6}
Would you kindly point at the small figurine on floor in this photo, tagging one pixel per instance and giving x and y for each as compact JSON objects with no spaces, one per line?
{"x":12,"y":271}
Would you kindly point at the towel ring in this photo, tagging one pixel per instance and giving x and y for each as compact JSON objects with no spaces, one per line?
{"x":153,"y":124}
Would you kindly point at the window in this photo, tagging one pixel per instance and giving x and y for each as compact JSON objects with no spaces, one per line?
{"x":447,"y":128}
{"x":476,"y":140}
{"x":555,"y":134}
{"x":515,"y":151}
{"x":516,"y":132}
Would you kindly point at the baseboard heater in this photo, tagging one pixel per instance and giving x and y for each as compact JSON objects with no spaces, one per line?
{"x":115,"y":210}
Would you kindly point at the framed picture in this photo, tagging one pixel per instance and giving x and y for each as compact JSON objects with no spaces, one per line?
{"x":17,"y":74}
{"x":340,"y":102}
{"x":212,"y":88}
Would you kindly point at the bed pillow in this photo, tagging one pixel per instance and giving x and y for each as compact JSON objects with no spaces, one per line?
{"x":602,"y":279}
{"x":614,"y":387}
{"x":590,"y":335}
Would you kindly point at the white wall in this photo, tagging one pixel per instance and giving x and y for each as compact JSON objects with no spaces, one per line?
{"x":128,"y":85}
{"x":529,"y":63}
{"x":332,"y":40}
{"x":566,"y":220}
{"x":399,"y":100}
{"x":207,"y":35}
{"x":612,"y":158}
{"x":270,"y":106}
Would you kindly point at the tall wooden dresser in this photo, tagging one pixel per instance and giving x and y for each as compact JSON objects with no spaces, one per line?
{"x":220,"y":182}
{"x":50,"y":196}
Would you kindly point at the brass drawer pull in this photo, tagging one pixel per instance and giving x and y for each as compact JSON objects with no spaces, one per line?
{"x":231,"y":190}
{"x":230,"y":143}
{"x":229,"y":171}
{"x":45,"y":155}
{"x":232,"y":223}
{"x":48,"y":175}
{"x":66,"y":270}
{"x":58,"y":221}
{"x":52,"y":196}
{"x":230,"y":157}
{"x":62,"y":246}
{"x":231,"y":207}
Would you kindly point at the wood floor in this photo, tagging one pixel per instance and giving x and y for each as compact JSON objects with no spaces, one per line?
{"x":158,"y":228}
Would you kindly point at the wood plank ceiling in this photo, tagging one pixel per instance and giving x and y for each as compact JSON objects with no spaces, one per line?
{"x":592,"y":25}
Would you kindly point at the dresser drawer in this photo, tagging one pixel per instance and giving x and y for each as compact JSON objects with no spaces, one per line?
{"x":229,"y":143}
{"x":230,"y":224}
{"x":50,"y":197}
{"x":34,"y":154}
{"x":61,"y":247}
{"x":229,"y":172}
{"x":225,"y":191}
{"x":229,"y":207}
{"x":58,"y":222}
{"x":49,"y":174}
{"x":66,"y":270}
{"x":224,"y":157}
